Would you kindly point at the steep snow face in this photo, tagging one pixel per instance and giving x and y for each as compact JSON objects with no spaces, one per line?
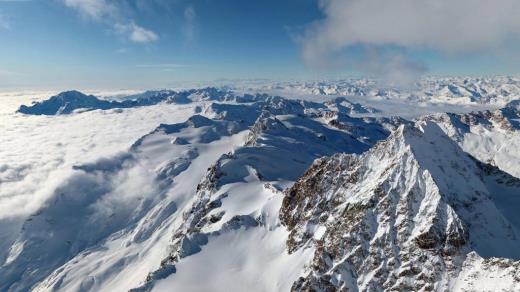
{"x":490,"y":136}
{"x":413,"y":213}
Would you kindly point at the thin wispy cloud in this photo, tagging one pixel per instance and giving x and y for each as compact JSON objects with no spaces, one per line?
{"x":110,"y":13}
{"x":4,"y":23}
{"x":163,"y":66}
{"x":189,"y":24}
{"x":93,"y":8}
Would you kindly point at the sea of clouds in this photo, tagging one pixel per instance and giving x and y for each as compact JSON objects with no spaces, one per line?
{"x":38,"y":155}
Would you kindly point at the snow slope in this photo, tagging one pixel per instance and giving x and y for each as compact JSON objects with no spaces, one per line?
{"x":240,"y":192}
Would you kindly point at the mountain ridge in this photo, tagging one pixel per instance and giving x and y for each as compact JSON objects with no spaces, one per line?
{"x":387,"y":233}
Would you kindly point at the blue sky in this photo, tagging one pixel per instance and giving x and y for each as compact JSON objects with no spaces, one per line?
{"x":156,"y":43}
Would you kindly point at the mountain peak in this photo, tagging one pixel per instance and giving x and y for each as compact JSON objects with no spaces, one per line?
{"x":406,"y":210}
{"x":71,"y":94}
{"x":65,"y":103}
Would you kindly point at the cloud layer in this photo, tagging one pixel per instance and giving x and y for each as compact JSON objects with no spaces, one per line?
{"x":447,"y":26}
{"x":110,"y":12}
{"x":29,"y":175}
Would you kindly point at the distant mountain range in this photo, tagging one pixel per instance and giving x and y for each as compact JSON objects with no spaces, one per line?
{"x":73,"y":101}
{"x":454,"y":90}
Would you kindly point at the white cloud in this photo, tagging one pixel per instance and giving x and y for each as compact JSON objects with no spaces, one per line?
{"x":392,"y":69}
{"x":447,"y":26}
{"x":142,"y":35}
{"x":30,"y":174}
{"x":110,"y":12}
{"x":92,"y":8}
{"x":137,"y":33}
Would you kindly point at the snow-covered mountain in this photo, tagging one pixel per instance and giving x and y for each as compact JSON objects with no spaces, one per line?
{"x":70,"y":101}
{"x":451,"y":90}
{"x":414,"y":213}
{"x":272,"y":140}
{"x":65,"y":103}
{"x":264,"y":193}
{"x":491,"y":136}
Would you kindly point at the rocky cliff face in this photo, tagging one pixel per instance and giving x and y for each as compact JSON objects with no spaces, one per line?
{"x":411,"y":214}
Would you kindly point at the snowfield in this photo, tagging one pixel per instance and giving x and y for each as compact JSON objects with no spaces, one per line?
{"x":302,"y":186}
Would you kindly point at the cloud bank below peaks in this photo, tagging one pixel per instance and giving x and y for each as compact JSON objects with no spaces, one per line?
{"x":110,"y":13}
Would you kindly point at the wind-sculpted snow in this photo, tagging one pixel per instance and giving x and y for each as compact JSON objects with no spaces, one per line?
{"x":413,"y":213}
